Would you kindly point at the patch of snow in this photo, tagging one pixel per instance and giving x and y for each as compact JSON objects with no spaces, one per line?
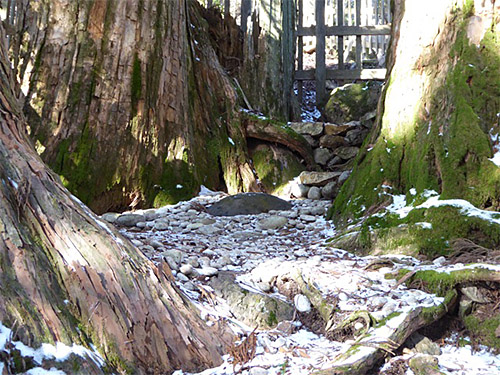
{"x":424,"y":225}
{"x":231,"y":141}
{"x":413,"y":191}
{"x":179,"y":186}
{"x":42,"y":371}
{"x":60,"y":352}
{"x":13,"y":183}
{"x":429,"y":127}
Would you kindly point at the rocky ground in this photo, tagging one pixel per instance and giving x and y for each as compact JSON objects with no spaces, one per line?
{"x":268,"y":274}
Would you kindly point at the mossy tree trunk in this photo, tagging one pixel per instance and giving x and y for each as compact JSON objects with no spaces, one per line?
{"x":437,"y":112}
{"x":127,"y":101}
{"x":66,"y":276}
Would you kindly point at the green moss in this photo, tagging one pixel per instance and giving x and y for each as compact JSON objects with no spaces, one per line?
{"x":271,"y":320}
{"x":135,"y":84}
{"x":484,"y":330}
{"x":448,"y":155}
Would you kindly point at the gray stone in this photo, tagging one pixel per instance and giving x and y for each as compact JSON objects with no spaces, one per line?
{"x":334,"y":129}
{"x":322,"y":155}
{"x":474,"y":294}
{"x":343,"y":177}
{"x":352,"y":101}
{"x":368,"y":119}
{"x":194,"y":226}
{"x":356,"y":137}
{"x":182,"y":277}
{"x":156,"y":244}
{"x":336,"y":160}
{"x":136,"y":242}
{"x":346,"y":152}
{"x":330,"y":190}
{"x":313,"y":142}
{"x":110,"y":217}
{"x":208,"y":271}
{"x":308,"y":219}
{"x":286,"y":326}
{"x":302,"y":303}
{"x":318,"y":210}
{"x":151,"y":215}
{"x":426,"y":346}
{"x":314,"y":193}
{"x":248,"y":204}
{"x":317,"y":178}
{"x":425,"y":364}
{"x":258,"y":371}
{"x":299,"y":190}
{"x":209,"y":230}
{"x":176,"y":255}
{"x":129,"y":220}
{"x":160,"y":224}
{"x":273,"y":222}
{"x":246,"y":235}
{"x":186,"y":269}
{"x":171,"y":263}
{"x":207,"y":221}
{"x":309,"y":128}
{"x":254,"y":309}
{"x":332,"y":141}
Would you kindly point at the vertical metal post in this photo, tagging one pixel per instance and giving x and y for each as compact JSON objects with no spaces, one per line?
{"x":320,"y":73}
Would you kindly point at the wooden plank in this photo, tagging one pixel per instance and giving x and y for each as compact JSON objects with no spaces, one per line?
{"x":359,"y":64}
{"x":320,"y":72}
{"x":340,"y":23}
{"x":246,"y":9}
{"x":300,"y":50}
{"x":363,"y":74}
{"x":346,"y":30}
{"x":288,"y":52}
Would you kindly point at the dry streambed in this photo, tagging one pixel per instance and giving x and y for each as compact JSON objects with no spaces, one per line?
{"x":300,"y":306}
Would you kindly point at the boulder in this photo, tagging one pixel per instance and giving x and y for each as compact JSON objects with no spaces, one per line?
{"x":299,"y":190}
{"x":343,"y":177}
{"x":110,"y":217}
{"x":129,"y":220}
{"x":317,"y":178}
{"x":254,"y":309}
{"x":248,"y":204}
{"x":332,"y":141}
{"x":312,"y":141}
{"x":314,"y":193}
{"x":347,"y":152}
{"x":336,"y":160}
{"x":334,"y":129}
{"x":425,"y":365}
{"x":352,"y":101}
{"x":309,"y":128}
{"x":356,"y":136}
{"x":322,"y":155}
{"x":330,"y":190}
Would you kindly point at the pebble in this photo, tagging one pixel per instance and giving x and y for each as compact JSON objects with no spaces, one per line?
{"x":186,"y":269}
{"x":208,"y":271}
{"x":308,"y":218}
{"x":302,"y":303}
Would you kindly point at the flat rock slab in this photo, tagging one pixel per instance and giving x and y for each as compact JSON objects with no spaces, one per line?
{"x":309,"y":128}
{"x":317,"y":178}
{"x":248,"y":204}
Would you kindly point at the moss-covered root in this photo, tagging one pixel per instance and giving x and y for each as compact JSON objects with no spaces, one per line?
{"x":367,"y":351}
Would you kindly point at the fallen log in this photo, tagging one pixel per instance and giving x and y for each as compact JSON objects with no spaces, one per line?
{"x":270,"y":131}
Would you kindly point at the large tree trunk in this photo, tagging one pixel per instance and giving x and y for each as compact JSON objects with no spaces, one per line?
{"x":127,"y":100}
{"x":439,"y":108}
{"x":66,"y":276}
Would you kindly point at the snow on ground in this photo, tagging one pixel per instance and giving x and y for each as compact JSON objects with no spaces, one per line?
{"x":192,"y":237}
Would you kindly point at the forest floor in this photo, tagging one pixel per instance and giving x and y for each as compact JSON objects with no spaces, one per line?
{"x":199,"y":247}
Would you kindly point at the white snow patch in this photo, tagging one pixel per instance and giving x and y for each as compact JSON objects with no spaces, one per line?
{"x":413,"y":191}
{"x":231,"y":141}
{"x":179,"y":186}
{"x":424,"y":225}
{"x":60,"y":352}
{"x":13,"y":183}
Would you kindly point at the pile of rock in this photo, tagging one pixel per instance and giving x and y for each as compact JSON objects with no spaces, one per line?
{"x":335,"y":145}
{"x":318,"y":185}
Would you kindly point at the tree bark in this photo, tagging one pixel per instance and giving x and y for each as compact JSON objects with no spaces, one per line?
{"x":66,"y":276}
{"x":127,"y":101}
{"x":437,"y":112}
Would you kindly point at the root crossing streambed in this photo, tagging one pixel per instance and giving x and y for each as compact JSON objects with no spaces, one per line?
{"x":283,"y":256}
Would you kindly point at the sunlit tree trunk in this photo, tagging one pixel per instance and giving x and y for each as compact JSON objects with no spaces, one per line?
{"x":439,"y":108}
{"x":127,"y":100}
{"x":66,"y":276}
